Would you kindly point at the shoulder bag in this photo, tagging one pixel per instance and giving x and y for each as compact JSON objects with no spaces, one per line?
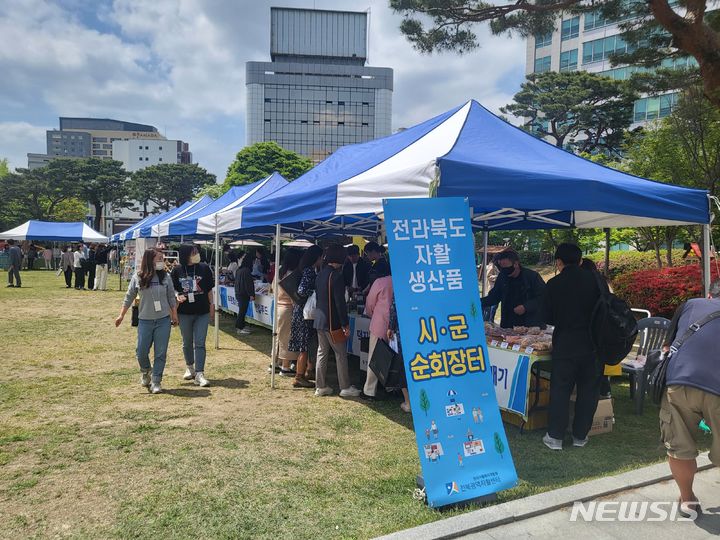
{"x":658,"y":375}
{"x":336,"y":336}
{"x":290,"y":284}
{"x":309,"y":307}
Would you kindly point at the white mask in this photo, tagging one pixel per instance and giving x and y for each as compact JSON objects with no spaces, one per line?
{"x":159,"y":266}
{"x":195,"y":259}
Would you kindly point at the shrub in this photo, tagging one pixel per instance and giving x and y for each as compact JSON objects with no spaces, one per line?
{"x":661,"y":291}
{"x":622,"y":262}
{"x":529,"y":258}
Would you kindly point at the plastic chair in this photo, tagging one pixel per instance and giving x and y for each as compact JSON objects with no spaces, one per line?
{"x":652,"y":332}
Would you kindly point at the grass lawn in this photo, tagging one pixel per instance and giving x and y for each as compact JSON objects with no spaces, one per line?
{"x":85,"y":451}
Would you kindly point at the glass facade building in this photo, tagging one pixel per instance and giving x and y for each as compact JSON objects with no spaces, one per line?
{"x":317,"y":94}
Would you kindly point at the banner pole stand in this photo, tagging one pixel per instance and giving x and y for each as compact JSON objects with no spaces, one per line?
{"x":492,"y":497}
{"x":276,"y":281}
{"x":217,"y":285}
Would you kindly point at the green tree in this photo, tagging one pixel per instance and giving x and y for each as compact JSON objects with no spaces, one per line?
{"x":261,"y":159}
{"x":4,"y":168}
{"x":98,"y":181}
{"x":577,"y":110}
{"x":214,"y":190}
{"x":424,"y":402}
{"x":72,"y":209}
{"x":168,"y":185}
{"x":654,"y":29}
{"x":33,"y":194}
{"x":499,"y":445}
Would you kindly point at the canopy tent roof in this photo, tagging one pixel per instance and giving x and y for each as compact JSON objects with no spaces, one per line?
{"x":54,"y":231}
{"x":127,"y":234}
{"x":224,"y":209}
{"x":512,"y":180}
{"x":146,"y":230}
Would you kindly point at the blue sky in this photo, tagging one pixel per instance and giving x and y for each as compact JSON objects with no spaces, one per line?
{"x":180,"y":66}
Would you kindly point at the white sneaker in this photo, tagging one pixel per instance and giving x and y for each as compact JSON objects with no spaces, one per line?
{"x":155,"y":388}
{"x":350,"y":391}
{"x":580,"y":442}
{"x":405,"y":406}
{"x":145,"y":379}
{"x":189,"y":373}
{"x":243,"y":332}
{"x":200,"y":379}
{"x":552,"y":443}
{"x":327,"y":391}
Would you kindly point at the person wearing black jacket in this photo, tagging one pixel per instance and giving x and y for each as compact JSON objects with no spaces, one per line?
{"x":331,"y":313}
{"x":375,"y":253}
{"x":569,"y":301}
{"x":519,"y":290}
{"x":194,"y":283}
{"x":244,"y":292}
{"x":356,"y":270}
{"x":101,"y":268}
{"x":90,"y":267}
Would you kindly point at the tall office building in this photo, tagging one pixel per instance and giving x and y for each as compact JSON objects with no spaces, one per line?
{"x":586,"y":42}
{"x":317,"y":94}
{"x":136,"y":154}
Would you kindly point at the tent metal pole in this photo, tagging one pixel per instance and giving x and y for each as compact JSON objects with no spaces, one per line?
{"x":216,"y":290}
{"x":607,"y":252}
{"x":486,"y":236}
{"x":276,"y":289}
{"x":706,"y":258}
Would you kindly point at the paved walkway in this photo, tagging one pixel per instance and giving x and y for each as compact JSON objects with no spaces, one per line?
{"x":548,"y":515}
{"x":557,"y":524}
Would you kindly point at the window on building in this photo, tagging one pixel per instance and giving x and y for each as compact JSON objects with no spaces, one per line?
{"x":650,"y":108}
{"x":140,"y":158}
{"x":570,"y":28}
{"x":601,"y":49}
{"x":594,"y":20}
{"x":569,"y":60}
{"x":543,"y":40}
{"x":542,"y":64}
{"x":159,"y":159}
{"x":159,"y":147}
{"x":147,"y":159}
{"x":139,"y":147}
{"x":147,"y":148}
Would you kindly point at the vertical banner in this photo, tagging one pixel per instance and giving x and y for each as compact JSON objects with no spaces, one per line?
{"x":461,"y":440}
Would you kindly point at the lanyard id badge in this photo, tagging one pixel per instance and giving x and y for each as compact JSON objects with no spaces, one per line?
{"x":158,"y":306}
{"x":191,"y":298}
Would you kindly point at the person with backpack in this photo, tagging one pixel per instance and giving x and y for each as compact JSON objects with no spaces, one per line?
{"x":692,"y":393}
{"x":569,"y":303}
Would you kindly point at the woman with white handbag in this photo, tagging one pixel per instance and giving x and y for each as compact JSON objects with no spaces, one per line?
{"x":302,"y":329}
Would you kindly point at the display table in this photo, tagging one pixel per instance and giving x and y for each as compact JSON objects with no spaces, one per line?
{"x":518,"y":377}
{"x":259,"y":312}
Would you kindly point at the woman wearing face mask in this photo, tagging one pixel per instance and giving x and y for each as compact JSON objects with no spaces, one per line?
{"x":193,"y":281}
{"x":157,"y":312}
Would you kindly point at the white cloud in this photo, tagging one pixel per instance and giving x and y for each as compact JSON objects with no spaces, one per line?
{"x":180,"y":65}
{"x":19,"y":138}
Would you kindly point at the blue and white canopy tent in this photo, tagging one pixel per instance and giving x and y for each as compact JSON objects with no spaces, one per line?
{"x":54,"y":231}
{"x":511,"y":179}
{"x":146,"y":230}
{"x":127,"y":234}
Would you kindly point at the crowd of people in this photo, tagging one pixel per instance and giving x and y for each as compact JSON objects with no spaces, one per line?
{"x":88,"y":264}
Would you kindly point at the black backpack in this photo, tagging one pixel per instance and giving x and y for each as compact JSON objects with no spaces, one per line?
{"x":613,"y":327}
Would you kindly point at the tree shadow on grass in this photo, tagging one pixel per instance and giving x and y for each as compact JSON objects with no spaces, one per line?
{"x":187,"y":392}
{"x":229,"y":383}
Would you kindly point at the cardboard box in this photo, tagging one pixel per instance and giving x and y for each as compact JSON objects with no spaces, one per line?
{"x":603,"y":419}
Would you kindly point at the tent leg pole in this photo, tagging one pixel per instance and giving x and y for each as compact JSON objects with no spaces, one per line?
{"x":216,"y":291}
{"x":276,"y":288}
{"x":706,"y":259}
{"x":607,"y":253}
{"x":486,"y":236}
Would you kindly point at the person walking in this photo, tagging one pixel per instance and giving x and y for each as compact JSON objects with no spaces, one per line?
{"x":302,"y":330}
{"x":48,"y":257}
{"x":331,"y":315}
{"x":15,"y":259}
{"x":693,"y":391}
{"x":244,"y":293}
{"x":377,"y":307}
{"x":101,"y":268}
{"x":67,"y":263}
{"x":79,"y":267}
{"x":284,"y":308}
{"x":569,"y":302}
{"x":394,"y":335}
{"x":194,"y":282}
{"x":157,"y":312}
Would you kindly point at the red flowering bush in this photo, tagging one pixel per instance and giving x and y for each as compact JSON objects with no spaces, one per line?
{"x":661,"y":291}
{"x":622,"y":262}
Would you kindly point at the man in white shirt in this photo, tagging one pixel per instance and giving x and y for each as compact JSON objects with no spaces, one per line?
{"x":78,"y":260}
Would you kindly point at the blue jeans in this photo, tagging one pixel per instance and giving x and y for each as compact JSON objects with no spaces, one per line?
{"x":194,"y":331}
{"x":153,"y":332}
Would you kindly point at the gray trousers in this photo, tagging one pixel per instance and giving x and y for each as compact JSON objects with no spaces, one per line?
{"x":14,"y":271}
{"x":323,"y":355}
